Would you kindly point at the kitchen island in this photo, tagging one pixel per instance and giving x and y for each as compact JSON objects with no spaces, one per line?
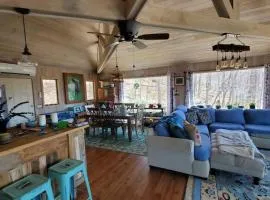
{"x":33,"y":153}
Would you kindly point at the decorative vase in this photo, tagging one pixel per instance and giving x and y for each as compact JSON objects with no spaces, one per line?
{"x":252,"y":107}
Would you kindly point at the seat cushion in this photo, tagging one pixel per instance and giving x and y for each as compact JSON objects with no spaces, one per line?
{"x":203,"y":129}
{"x":257,"y":116}
{"x":230,"y":126}
{"x":234,"y":116}
{"x":258,"y":129}
{"x":203,"y":151}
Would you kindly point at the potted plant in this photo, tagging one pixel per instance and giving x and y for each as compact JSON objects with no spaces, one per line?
{"x":159,"y":105}
{"x":229,"y":106}
{"x":252,"y":106}
{"x":218,"y":106}
{"x":4,"y":136}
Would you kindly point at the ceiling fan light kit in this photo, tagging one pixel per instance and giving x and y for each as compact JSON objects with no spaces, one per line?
{"x":235,"y":62}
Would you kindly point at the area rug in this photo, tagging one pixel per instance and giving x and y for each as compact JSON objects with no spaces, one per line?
{"x":229,"y":186}
{"x":136,"y":146}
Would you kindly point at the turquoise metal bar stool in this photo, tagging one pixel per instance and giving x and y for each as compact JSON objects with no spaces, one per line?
{"x":64,"y":172}
{"x":27,"y":188}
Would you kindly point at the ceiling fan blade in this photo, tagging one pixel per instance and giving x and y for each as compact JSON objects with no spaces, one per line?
{"x":139,"y":44}
{"x":106,"y":34}
{"x":156,"y":36}
{"x":112,"y":44}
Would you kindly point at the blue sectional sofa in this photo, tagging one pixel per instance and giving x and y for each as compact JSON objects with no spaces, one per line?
{"x":255,"y":121}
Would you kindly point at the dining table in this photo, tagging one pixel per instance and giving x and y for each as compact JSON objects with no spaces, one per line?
{"x":129,"y":117}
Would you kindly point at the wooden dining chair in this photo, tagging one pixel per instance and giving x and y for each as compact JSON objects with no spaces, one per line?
{"x":94,"y":119}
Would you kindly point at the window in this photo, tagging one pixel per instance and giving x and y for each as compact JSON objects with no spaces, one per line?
{"x":236,"y":88}
{"x":50,"y":95}
{"x":89,"y":90}
{"x":150,"y":90}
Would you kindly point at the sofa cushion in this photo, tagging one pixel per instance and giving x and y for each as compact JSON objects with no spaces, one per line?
{"x":234,"y":116}
{"x":257,"y":116}
{"x":203,"y":151}
{"x":179,"y":113}
{"x":203,"y":129}
{"x":162,"y":129}
{"x":258,"y":129}
{"x":183,"y":108}
{"x":192,"y":117}
{"x":230,"y":126}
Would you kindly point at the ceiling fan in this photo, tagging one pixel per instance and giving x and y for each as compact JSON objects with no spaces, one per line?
{"x":129,"y":33}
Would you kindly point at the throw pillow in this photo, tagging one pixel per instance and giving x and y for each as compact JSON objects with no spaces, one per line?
{"x":177,"y":131}
{"x":191,"y":117}
{"x":204,"y":117}
{"x":193,"y":133}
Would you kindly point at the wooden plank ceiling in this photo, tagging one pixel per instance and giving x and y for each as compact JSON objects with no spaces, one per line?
{"x":65,"y":43}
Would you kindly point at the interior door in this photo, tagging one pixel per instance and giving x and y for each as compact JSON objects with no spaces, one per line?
{"x":17,"y":91}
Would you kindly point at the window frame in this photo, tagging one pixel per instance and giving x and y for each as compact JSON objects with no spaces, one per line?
{"x":93,"y":83}
{"x":57,"y":92}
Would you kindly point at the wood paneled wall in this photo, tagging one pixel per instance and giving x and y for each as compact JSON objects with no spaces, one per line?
{"x":45,"y":72}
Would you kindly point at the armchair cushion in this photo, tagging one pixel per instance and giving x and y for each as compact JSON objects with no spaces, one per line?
{"x":230,"y":126}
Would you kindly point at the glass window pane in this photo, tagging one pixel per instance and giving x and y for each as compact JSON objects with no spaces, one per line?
{"x":150,"y":90}
{"x":236,"y":88}
{"x":50,"y":92}
{"x":89,"y":90}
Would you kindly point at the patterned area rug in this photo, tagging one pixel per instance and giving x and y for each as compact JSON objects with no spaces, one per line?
{"x":137,"y":146}
{"x":229,"y":186}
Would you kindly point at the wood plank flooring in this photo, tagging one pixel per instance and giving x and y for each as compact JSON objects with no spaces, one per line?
{"x":121,"y":176}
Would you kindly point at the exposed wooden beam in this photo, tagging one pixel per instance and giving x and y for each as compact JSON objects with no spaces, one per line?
{"x":105,"y":56}
{"x":227,"y":8}
{"x":155,"y":16}
{"x":133,"y":8}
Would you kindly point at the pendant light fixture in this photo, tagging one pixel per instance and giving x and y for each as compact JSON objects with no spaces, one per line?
{"x":118,"y":77}
{"x":234,"y":49}
{"x":25,"y":59}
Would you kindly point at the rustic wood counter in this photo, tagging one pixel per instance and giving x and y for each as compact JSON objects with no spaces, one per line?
{"x":32,"y":153}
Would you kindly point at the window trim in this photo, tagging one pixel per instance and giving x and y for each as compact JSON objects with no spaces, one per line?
{"x":57,"y":92}
{"x":93,"y":90}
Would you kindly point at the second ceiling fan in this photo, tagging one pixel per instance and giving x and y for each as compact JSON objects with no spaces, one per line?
{"x":129,"y":33}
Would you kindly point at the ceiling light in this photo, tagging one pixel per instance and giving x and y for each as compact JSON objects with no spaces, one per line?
{"x":232,"y":48}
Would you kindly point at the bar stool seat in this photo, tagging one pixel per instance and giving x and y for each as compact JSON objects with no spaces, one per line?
{"x":28,"y":188}
{"x":64,"y":172}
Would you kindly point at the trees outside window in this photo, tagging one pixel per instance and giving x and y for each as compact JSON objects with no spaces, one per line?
{"x":236,"y":88}
{"x":150,"y":90}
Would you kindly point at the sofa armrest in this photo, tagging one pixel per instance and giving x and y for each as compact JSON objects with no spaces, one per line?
{"x":171,"y":144}
{"x":171,"y":153}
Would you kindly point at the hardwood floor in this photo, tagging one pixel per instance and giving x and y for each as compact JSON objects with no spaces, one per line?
{"x":121,"y":176}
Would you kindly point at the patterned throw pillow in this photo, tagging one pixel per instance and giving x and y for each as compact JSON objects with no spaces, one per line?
{"x":204,"y":117}
{"x":191,"y":117}
{"x":193,"y":133}
{"x":177,"y":131}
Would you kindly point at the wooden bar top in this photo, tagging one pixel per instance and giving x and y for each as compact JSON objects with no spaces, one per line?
{"x":32,"y":138}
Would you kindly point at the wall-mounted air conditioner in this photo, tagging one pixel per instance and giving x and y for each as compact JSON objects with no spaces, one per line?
{"x":6,"y":68}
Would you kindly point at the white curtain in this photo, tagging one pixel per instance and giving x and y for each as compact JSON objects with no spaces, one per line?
{"x":188,"y":89}
{"x":266,"y":98}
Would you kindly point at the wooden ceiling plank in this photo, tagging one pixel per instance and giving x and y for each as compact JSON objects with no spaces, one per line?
{"x":155,"y":16}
